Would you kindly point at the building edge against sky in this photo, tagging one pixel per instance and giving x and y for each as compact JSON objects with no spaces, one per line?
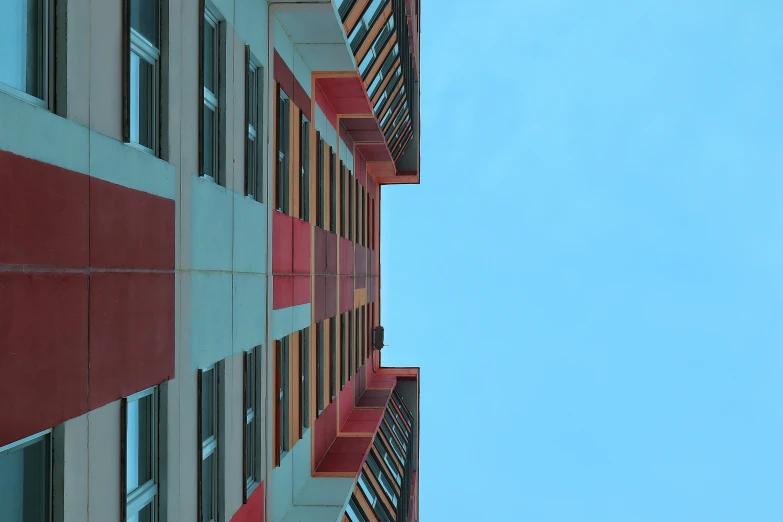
{"x":189,"y":260}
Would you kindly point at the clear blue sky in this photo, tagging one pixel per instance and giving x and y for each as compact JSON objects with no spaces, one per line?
{"x":590,"y":274}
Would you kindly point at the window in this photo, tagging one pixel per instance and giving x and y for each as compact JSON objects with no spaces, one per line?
{"x":384,"y":453}
{"x":304,"y":167}
{"x":349,"y":189}
{"x":319,"y":196}
{"x":304,"y":381}
{"x":364,"y":216}
{"x":343,"y":188}
{"x":281,"y":381}
{"x":355,"y":192}
{"x":208,"y":426}
{"x":211,"y":78}
{"x":140,"y":460}
{"x":26,"y":479}
{"x":343,"y":354}
{"x":25,"y":37}
{"x":281,"y":172}
{"x":382,"y":478}
{"x":351,"y":356}
{"x":143,"y":75}
{"x":254,"y":180}
{"x":319,"y":367}
{"x":332,"y":194}
{"x":354,"y":511}
{"x":401,"y":437}
{"x":332,"y":358}
{"x":395,"y":445}
{"x":356,"y":344}
{"x":372,"y":498}
{"x":253,"y":383}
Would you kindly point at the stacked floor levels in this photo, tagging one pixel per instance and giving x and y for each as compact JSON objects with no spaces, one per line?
{"x":190,"y":203}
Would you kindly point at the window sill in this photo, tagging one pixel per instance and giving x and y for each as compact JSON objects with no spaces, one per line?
{"x":21,"y":95}
{"x":251,"y":489}
{"x":141,"y":148}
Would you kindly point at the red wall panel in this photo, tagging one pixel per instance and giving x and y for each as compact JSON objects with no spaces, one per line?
{"x":319,"y":299}
{"x":346,"y":256}
{"x":131,"y":334}
{"x":44,"y":216}
{"x":346,"y":402}
{"x":301,"y":290}
{"x":283,"y":75}
{"x":282,"y":243}
{"x":319,"y":254}
{"x":283,"y":292}
{"x":346,"y":293}
{"x":326,"y":107}
{"x":331,"y":253}
{"x":253,"y":511}
{"x":43,"y":351}
{"x":324,"y":432}
{"x":346,"y":455}
{"x":330,"y":299}
{"x":130,"y":228}
{"x":302,"y":100}
{"x":301,"y":246}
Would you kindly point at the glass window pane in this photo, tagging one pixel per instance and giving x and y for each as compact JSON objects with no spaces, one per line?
{"x":207,"y":404}
{"x":209,"y":58}
{"x":22,"y":38}
{"x":139,"y":443}
{"x":208,"y":489}
{"x":142,"y":99}
{"x":145,"y":515}
{"x":144,"y":19}
{"x":209,"y":143}
{"x":250,"y":450}
{"x":24,"y":483}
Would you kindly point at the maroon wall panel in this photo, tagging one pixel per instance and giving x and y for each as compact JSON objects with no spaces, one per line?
{"x":301,"y":246}
{"x":283,"y":75}
{"x":302,"y":100}
{"x":43,"y":351}
{"x":253,"y":511}
{"x":283,"y":292}
{"x":319,"y":299}
{"x":43,"y":213}
{"x":301,"y":290}
{"x":346,"y":293}
{"x":130,"y":228}
{"x":282,"y":243}
{"x":330,"y":299}
{"x":320,"y":250}
{"x":346,"y":455}
{"x":326,"y":107}
{"x":324,"y":432}
{"x":346,"y":257}
{"x":131,"y":334}
{"x":346,"y":402}
{"x":331,"y":253}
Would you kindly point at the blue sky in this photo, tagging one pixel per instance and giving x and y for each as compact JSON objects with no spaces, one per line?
{"x":590,"y":274}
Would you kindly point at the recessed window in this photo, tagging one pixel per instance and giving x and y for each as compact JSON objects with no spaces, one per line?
{"x":26,"y":479}
{"x":254,"y":93}
{"x":343,"y":190}
{"x":332,"y":358}
{"x":320,"y":188}
{"x":141,"y":452}
{"x":304,"y":380}
{"x":208,"y":423}
{"x":350,"y":189}
{"x":343,"y":352}
{"x":387,"y":458}
{"x":304,"y":167}
{"x":382,"y":478}
{"x":332,"y":193}
{"x":210,"y":130}
{"x":253,"y":383}
{"x":25,"y":36}
{"x":281,"y":382}
{"x":144,"y":74}
{"x":351,"y":354}
{"x":354,"y":511}
{"x":281,"y":170}
{"x":319,"y":366}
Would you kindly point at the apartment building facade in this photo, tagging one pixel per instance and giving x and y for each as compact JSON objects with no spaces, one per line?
{"x":190,"y":203}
